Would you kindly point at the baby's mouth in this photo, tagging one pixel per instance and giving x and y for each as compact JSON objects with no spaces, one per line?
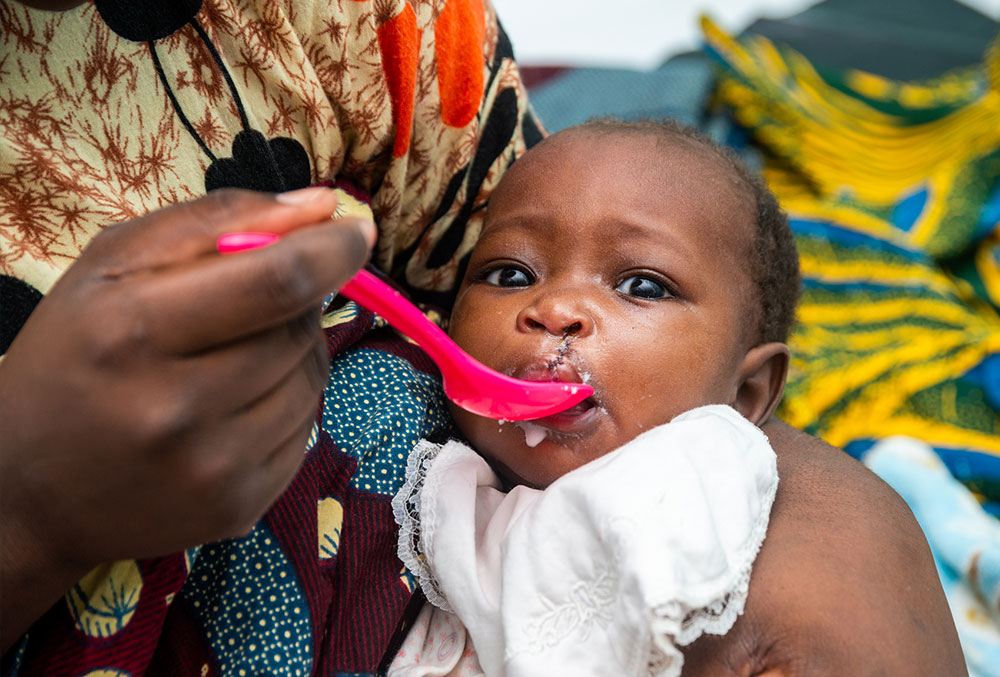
{"x":557,"y":367}
{"x":578,"y":409}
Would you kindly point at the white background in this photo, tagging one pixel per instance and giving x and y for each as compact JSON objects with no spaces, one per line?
{"x":638,"y":34}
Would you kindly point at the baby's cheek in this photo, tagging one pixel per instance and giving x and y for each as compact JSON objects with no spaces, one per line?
{"x":505,"y":447}
{"x":489,"y":438}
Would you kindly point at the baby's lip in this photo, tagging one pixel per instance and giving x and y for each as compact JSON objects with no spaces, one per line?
{"x":549,"y":368}
{"x":578,"y":418}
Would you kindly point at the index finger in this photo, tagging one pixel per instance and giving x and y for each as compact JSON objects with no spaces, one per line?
{"x":189,"y":230}
{"x":219,"y":299}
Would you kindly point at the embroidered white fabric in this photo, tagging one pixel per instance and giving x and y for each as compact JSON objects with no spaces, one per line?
{"x":612,"y":567}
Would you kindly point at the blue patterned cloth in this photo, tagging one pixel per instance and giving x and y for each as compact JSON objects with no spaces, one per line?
{"x":964,"y":539}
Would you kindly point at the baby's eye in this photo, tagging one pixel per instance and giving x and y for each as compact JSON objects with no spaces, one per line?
{"x":508,"y":276}
{"x":643,"y":288}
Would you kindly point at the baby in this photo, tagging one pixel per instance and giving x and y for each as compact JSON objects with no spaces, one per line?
{"x":641,"y":259}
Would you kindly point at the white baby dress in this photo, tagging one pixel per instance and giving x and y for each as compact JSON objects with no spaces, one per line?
{"x":606,"y":572}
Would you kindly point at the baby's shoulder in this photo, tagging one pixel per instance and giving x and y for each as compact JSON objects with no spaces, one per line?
{"x":820,"y":480}
{"x":844,"y":582}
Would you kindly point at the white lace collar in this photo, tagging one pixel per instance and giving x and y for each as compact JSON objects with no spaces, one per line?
{"x":609,"y":569}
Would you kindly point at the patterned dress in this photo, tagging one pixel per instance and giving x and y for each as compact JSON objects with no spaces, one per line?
{"x":116,"y":108}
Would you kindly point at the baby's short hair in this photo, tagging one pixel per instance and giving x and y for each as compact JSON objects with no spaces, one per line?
{"x":774,"y":261}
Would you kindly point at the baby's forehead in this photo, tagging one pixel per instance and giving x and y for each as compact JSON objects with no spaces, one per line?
{"x":668,"y":149}
{"x":672,"y":168}
{"x":666,"y":183}
{"x":667,"y":153}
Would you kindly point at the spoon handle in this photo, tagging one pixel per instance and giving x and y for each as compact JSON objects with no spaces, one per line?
{"x":376,"y":295}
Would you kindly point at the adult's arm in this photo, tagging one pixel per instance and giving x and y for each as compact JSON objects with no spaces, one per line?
{"x":161,"y":394}
{"x":844,"y":583}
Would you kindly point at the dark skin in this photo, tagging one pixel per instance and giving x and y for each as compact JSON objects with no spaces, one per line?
{"x":845,"y":582}
{"x":599,"y":259}
{"x":843,"y":585}
{"x":161,"y":394}
{"x":203,"y":432}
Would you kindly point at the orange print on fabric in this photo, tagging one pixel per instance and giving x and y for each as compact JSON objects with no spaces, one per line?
{"x":458,"y":36}
{"x":399,"y":40}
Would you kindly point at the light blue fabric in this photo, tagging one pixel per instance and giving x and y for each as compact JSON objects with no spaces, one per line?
{"x":964,"y":538}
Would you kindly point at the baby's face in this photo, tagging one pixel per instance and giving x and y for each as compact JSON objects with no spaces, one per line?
{"x":607,"y":260}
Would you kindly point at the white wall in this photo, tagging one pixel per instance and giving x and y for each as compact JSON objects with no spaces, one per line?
{"x":635,"y":33}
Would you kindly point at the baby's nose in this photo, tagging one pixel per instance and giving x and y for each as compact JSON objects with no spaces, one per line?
{"x":559,"y":315}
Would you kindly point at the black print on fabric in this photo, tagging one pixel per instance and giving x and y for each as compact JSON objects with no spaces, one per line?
{"x":143,"y":21}
{"x":256,"y":163}
{"x":260,"y":164}
{"x":17,"y":301}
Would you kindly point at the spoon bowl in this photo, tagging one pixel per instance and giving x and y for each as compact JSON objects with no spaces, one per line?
{"x":467,"y":382}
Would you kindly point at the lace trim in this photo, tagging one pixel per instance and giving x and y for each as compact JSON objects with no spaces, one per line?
{"x":406,"y":508}
{"x":678,"y":624}
{"x":672,"y":624}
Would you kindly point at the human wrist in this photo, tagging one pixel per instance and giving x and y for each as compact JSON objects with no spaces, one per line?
{"x":31,"y":577}
{"x":37,"y":564}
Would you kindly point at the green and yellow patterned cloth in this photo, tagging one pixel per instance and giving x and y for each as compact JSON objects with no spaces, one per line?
{"x":893,"y":193}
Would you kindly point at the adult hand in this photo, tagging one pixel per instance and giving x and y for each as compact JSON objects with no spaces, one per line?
{"x":161,"y":394}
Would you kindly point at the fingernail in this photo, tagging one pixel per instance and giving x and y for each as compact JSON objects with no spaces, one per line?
{"x":302,"y":195}
{"x":237,"y":242}
{"x":369,"y":231}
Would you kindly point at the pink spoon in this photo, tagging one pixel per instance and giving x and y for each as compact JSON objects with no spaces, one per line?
{"x":467,"y":382}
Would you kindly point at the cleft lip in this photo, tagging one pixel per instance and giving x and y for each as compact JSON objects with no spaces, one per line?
{"x":558,"y":368}
{"x":552,"y":367}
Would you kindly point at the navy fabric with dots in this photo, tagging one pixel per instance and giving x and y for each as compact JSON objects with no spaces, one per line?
{"x":376,"y":408}
{"x":252,"y":609}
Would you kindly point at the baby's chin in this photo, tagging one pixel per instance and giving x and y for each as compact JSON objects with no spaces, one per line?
{"x":538,"y":453}
{"x":510,"y":479}
{"x":522,"y":454}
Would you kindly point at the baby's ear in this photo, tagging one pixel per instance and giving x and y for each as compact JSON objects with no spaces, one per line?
{"x":762,"y":381}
